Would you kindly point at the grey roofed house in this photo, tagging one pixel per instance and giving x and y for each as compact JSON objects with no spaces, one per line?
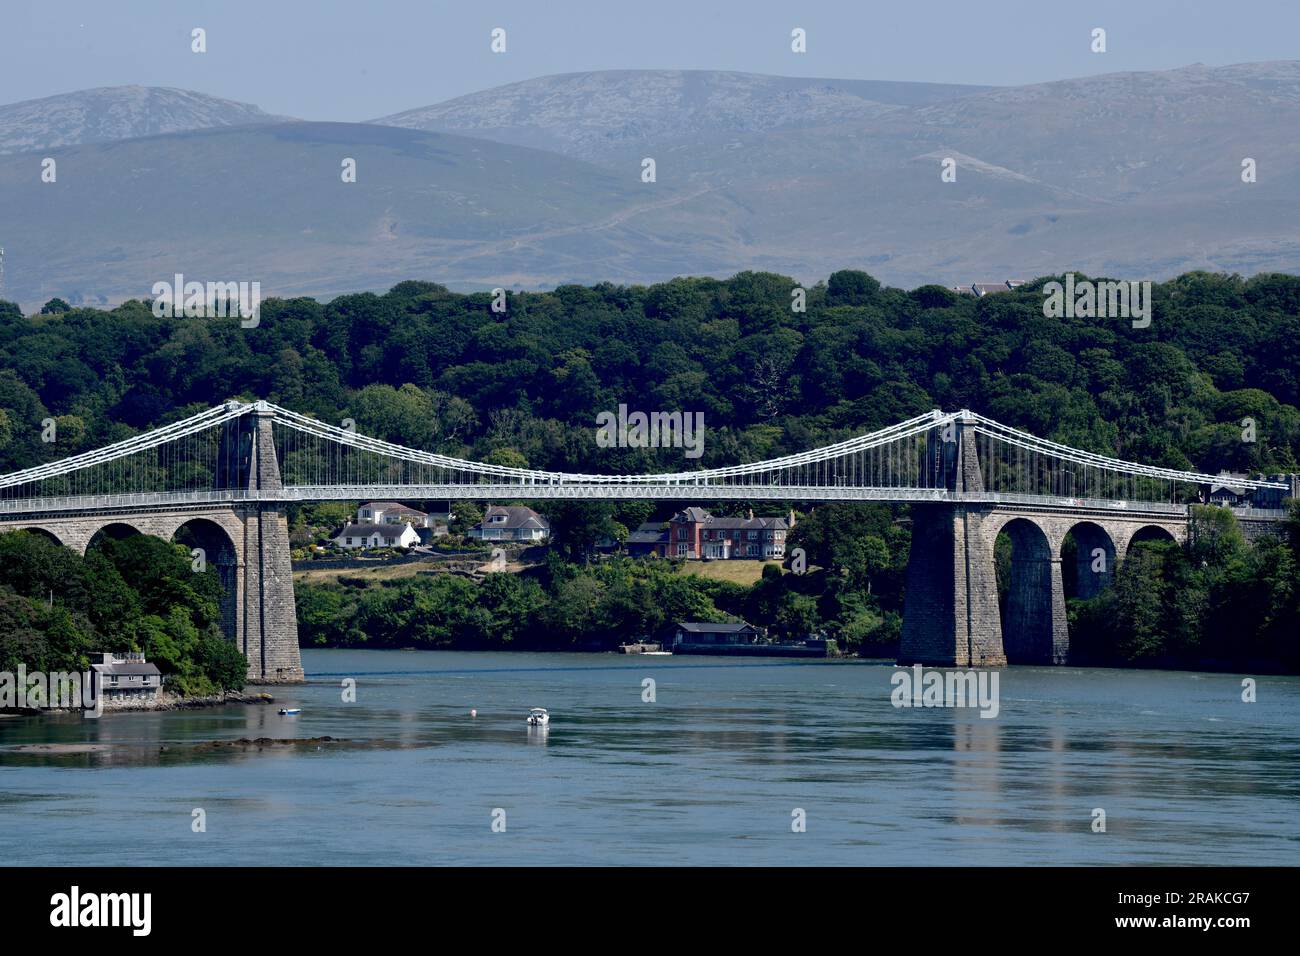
{"x":1225,"y":490}
{"x":365,"y":530}
{"x":511,"y":523}
{"x":125,"y":676}
{"x":703,"y":627}
{"x":986,"y":288}
{"x":390,"y":512}
{"x":649,"y":532}
{"x":679,"y":633}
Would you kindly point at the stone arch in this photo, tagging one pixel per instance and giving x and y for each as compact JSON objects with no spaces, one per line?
{"x":118,"y":530}
{"x":1152,"y":532}
{"x":219,"y":553}
{"x":39,"y":530}
{"x":1092,"y":569}
{"x":1029,"y":617}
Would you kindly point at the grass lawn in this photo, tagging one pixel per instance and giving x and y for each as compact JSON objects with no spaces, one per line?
{"x":737,"y":572}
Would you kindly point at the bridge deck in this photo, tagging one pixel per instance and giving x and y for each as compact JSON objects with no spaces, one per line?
{"x":15,"y":508}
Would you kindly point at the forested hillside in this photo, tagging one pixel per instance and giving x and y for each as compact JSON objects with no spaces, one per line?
{"x":438,"y":370}
{"x":426,"y":367}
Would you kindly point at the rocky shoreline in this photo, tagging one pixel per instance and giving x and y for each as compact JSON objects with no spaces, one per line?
{"x":171,"y":701}
{"x":166,"y":700}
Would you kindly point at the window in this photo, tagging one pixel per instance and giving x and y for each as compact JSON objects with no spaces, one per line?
{"x":349,"y":540}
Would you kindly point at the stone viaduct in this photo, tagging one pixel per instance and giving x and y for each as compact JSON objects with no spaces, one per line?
{"x":951,"y":613}
{"x":248,"y":543}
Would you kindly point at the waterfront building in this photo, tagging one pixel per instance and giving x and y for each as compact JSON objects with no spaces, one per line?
{"x":124,"y":677}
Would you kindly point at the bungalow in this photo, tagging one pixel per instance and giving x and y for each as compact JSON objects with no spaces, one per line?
{"x":377,"y":536}
{"x":738,"y":640}
{"x":683,"y":635}
{"x":511,"y":523}
{"x":124,"y":677}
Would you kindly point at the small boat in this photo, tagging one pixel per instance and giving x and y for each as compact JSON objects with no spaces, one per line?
{"x":290,"y":711}
{"x":538,"y":717}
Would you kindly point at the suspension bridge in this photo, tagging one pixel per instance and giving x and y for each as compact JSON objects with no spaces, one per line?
{"x":225,"y":475}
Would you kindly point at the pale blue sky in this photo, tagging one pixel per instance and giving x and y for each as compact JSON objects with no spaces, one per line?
{"x":358,"y":59}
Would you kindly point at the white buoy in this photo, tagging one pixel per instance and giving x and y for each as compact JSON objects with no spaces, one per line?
{"x":473,"y":713}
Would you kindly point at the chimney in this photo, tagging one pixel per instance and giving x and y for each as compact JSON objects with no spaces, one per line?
{"x":750,"y":514}
{"x":790,"y":520}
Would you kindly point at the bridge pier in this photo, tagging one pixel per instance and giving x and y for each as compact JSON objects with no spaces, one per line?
{"x":1037,"y":631}
{"x":270,"y":618}
{"x":950,"y":610}
{"x":267,"y":625}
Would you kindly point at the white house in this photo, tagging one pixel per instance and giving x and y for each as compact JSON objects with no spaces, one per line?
{"x":391,"y":512}
{"x":377,"y":536}
{"x":511,"y":523}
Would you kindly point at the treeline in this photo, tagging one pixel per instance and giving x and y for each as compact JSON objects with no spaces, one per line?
{"x":1215,"y":602}
{"x":430,"y":368}
{"x":136,"y":594}
{"x":1212,"y":383}
{"x":566,"y":606}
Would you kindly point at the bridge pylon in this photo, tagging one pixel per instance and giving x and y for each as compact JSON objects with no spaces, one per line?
{"x":267,"y":626}
{"x":950,"y":615}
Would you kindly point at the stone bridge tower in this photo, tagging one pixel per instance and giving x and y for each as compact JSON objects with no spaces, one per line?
{"x":248,"y":541}
{"x":269,"y":622}
{"x":952,"y":616}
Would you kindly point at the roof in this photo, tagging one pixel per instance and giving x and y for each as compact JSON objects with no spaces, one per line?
{"x":150,"y":670}
{"x":1225,"y":483}
{"x":390,"y":506}
{"x":700,"y":627}
{"x":726,"y":523}
{"x":650,"y":532}
{"x":702,"y":516}
{"x":366,"y":530}
{"x":517,"y":516}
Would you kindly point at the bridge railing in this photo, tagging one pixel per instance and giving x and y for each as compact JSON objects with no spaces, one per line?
{"x":24,"y":506}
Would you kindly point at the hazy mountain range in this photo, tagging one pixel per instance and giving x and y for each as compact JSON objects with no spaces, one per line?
{"x":1134,"y":175}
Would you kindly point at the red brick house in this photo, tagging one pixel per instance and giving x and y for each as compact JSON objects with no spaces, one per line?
{"x":694,"y":533}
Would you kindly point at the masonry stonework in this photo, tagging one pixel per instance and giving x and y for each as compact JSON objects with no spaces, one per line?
{"x":253,"y":560}
{"x":951,"y":615}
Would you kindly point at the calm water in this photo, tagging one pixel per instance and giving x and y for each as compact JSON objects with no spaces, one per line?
{"x":709,"y":773}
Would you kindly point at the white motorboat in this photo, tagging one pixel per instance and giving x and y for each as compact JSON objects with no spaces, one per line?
{"x":538,"y":717}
